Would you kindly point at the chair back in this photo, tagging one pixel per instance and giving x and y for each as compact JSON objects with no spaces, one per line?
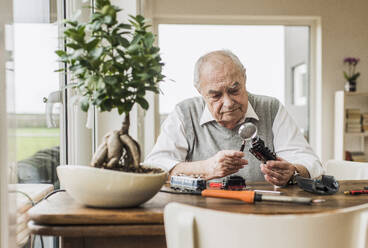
{"x":347,"y":170}
{"x":193,"y":227}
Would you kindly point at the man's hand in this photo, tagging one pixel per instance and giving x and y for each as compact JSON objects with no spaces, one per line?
{"x":224,"y":163}
{"x":278,"y":172}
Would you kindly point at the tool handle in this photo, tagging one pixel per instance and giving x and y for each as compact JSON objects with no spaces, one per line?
{"x":245,"y":196}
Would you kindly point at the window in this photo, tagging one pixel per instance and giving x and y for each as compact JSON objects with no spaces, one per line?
{"x":269,"y":53}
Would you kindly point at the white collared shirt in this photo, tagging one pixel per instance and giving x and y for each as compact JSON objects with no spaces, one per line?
{"x":207,"y":116}
{"x":171,"y":147}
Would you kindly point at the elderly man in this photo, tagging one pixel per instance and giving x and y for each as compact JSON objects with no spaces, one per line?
{"x":200,"y":137}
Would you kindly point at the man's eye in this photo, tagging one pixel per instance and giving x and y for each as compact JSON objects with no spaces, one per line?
{"x":234,"y":91}
{"x":216,"y":96}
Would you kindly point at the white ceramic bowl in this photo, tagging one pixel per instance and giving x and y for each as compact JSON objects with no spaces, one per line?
{"x":108,"y":188}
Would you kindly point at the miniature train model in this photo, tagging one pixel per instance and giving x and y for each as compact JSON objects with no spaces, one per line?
{"x":187,"y":183}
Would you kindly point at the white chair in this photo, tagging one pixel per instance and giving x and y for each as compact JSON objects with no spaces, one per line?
{"x":193,"y":227}
{"x":347,"y":170}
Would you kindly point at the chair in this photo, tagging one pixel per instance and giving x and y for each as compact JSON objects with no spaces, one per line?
{"x":347,"y":170}
{"x":193,"y":227}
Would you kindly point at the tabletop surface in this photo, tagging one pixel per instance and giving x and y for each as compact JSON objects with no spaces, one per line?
{"x":60,"y":208}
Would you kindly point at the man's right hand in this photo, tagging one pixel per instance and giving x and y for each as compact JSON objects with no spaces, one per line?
{"x":224,"y":163}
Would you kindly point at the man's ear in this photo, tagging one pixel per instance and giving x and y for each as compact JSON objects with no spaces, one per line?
{"x":199,"y":88}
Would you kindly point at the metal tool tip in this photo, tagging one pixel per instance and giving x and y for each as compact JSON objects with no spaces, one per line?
{"x":318,"y":200}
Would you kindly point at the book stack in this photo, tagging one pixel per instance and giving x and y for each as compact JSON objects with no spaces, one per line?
{"x":358,"y":156}
{"x":353,"y":121}
{"x":355,"y":156}
{"x":365,"y":122}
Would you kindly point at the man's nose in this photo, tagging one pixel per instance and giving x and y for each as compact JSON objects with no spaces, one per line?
{"x":228,"y":102}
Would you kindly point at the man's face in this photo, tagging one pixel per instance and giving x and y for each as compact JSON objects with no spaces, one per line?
{"x":223,"y":87}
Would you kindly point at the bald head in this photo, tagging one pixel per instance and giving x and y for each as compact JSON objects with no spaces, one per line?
{"x":216,"y":61}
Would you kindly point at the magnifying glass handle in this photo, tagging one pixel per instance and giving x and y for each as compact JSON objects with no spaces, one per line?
{"x":242,"y":146}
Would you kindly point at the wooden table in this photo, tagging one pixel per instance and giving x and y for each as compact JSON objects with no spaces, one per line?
{"x":80,"y":226}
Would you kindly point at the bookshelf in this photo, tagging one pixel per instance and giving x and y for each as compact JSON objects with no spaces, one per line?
{"x":348,"y":104}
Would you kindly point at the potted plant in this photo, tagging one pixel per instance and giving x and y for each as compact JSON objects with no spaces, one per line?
{"x":113,"y":65}
{"x":351,"y":76}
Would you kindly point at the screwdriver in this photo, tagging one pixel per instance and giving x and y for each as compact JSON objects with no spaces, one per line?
{"x":251,"y":196}
{"x":356,"y":192}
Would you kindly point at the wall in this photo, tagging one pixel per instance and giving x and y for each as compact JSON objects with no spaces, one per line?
{"x":343,"y":29}
{"x":296,"y":53}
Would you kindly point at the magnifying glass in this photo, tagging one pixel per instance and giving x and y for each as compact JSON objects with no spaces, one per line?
{"x":247,"y":132}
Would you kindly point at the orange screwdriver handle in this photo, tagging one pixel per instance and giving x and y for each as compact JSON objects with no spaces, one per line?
{"x":245,"y":196}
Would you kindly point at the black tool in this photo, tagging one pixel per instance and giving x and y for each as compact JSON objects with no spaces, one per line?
{"x":327,"y":185}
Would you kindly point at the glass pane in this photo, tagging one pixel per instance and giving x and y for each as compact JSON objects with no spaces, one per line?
{"x":269,"y":53}
{"x":259,"y":48}
{"x":36,"y":32}
{"x":35,"y":61}
{"x":35,"y":40}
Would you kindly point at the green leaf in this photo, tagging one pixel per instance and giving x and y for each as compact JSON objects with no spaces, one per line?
{"x":142,"y":102}
{"x":84,"y":104}
{"x":149,"y":38}
{"x":96,"y":52}
{"x":136,"y":39}
{"x":102,"y":3}
{"x":355,"y":76}
{"x":60,"y":53}
{"x":124,"y":26}
{"x":139,"y":19}
{"x":72,"y":23}
{"x":122,"y":41}
{"x":143,"y":76}
{"x":120,"y":110}
{"x":346,"y":76}
{"x":73,"y":46}
{"x":108,"y":20}
{"x":92,"y":43}
{"x":111,"y":80}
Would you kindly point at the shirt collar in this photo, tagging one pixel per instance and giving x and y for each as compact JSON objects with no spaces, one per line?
{"x":207,"y":116}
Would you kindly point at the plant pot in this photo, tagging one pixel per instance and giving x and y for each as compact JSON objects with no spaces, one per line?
{"x":105,"y":188}
{"x":350,"y":86}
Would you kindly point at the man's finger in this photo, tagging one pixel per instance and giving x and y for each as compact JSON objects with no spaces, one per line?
{"x":238,"y":161}
{"x":232,"y":166}
{"x":232,"y":153}
{"x":272,"y":173}
{"x":273,"y":180}
{"x":281,"y":165}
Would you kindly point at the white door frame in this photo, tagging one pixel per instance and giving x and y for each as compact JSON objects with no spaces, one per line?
{"x":7,"y":237}
{"x":314,"y":22}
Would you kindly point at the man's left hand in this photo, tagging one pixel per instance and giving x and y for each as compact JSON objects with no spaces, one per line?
{"x":278,"y":172}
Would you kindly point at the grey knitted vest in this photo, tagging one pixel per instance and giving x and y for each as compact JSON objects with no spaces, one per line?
{"x":206,"y":140}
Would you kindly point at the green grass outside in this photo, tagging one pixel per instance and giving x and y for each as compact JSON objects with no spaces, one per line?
{"x":31,"y":140}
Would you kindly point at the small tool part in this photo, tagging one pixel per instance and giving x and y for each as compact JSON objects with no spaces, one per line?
{"x":356,"y":192}
{"x":270,"y":192}
{"x":242,"y":146}
{"x":251,"y":197}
